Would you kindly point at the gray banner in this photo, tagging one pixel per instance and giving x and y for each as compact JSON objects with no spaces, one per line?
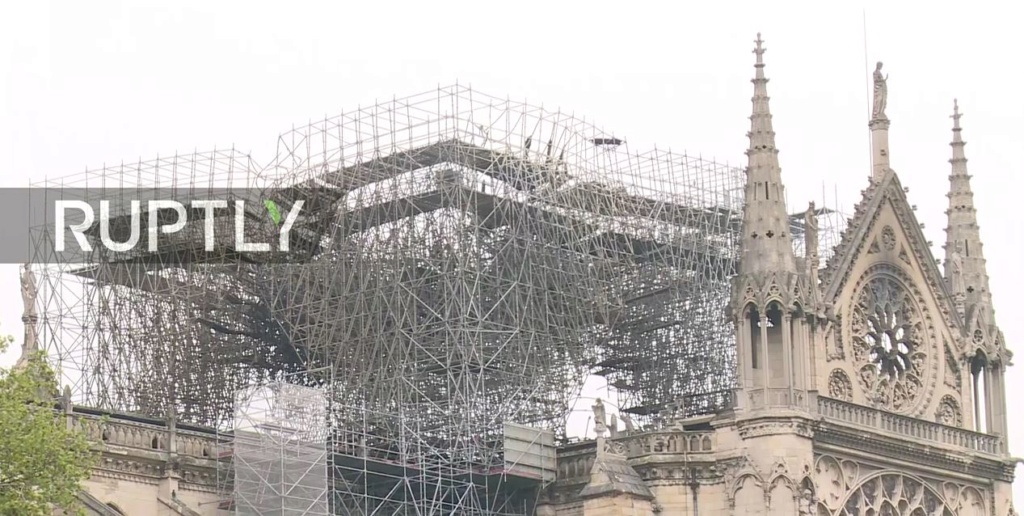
{"x":155,"y":226}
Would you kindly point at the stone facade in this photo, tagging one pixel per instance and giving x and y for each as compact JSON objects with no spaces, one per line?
{"x":148,"y":466}
{"x":871,"y":386}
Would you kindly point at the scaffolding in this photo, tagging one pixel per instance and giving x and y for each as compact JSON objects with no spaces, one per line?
{"x":148,"y":333}
{"x":280,"y":451}
{"x":461,"y":263}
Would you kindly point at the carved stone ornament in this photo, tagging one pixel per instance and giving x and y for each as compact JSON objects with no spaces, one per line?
{"x":951,"y":373}
{"x":616,"y":448}
{"x":837,"y":351}
{"x":839,"y":385}
{"x":896,"y":495}
{"x":949,"y":413}
{"x":874,"y":247}
{"x":806,"y":503}
{"x":978,"y":337}
{"x":891,"y":341}
{"x":761,"y":429}
{"x":888,"y":238}
{"x":846,"y":488}
{"x":904,"y":256}
{"x":781,"y":488}
{"x":762,"y":290}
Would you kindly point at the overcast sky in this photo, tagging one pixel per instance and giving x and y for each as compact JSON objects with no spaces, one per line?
{"x":88,"y":83}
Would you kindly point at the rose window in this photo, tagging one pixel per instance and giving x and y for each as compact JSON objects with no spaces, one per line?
{"x":888,"y":339}
{"x":887,"y":328}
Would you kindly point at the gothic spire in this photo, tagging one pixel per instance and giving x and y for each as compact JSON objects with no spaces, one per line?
{"x":965,"y":261}
{"x":766,"y":243}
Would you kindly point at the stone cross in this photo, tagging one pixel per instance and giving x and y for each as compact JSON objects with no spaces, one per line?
{"x":759,"y":50}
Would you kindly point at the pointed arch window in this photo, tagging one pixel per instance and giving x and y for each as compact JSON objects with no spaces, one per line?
{"x":754,"y":319}
{"x":979,"y":389}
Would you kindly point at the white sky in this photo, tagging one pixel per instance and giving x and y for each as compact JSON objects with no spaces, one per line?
{"x":88,"y":83}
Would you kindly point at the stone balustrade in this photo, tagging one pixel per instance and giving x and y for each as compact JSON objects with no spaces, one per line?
{"x":912,"y":428}
{"x":576,"y":461}
{"x":777,"y":397}
{"x":668,"y":442}
{"x":132,"y":432}
{"x":145,"y":447}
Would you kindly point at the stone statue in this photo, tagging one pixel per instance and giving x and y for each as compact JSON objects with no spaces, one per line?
{"x":881,"y":94}
{"x":599,"y":418}
{"x":613,"y":427}
{"x":29,"y":316}
{"x":627,"y":423}
{"x":806,"y":506}
{"x":956,"y":270}
{"x":65,"y":400}
{"x":28,"y":290}
{"x":811,"y":236}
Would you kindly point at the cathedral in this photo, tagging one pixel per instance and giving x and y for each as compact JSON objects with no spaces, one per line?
{"x":873,"y":384}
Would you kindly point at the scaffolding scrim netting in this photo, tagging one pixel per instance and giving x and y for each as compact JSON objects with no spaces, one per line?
{"x":280,"y":451}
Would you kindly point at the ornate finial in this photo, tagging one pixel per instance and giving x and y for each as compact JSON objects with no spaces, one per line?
{"x":956,"y":115}
{"x":759,"y":50}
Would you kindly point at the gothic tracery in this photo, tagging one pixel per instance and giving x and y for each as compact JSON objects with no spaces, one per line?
{"x":889,"y":344}
{"x":894,"y":495}
{"x":848,"y":488}
{"x":888,"y":238}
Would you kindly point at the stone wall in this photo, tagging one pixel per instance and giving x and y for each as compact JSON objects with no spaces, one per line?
{"x":150,"y":466}
{"x":826,"y":460}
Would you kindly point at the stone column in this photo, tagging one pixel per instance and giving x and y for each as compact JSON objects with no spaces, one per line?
{"x":879,"y":149}
{"x":168,"y":485}
{"x":765,"y":363}
{"x":987,"y":372}
{"x":787,"y":353}
{"x":976,"y":400}
{"x":743,"y":358}
{"x":999,"y":401}
{"x":800,"y":353}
